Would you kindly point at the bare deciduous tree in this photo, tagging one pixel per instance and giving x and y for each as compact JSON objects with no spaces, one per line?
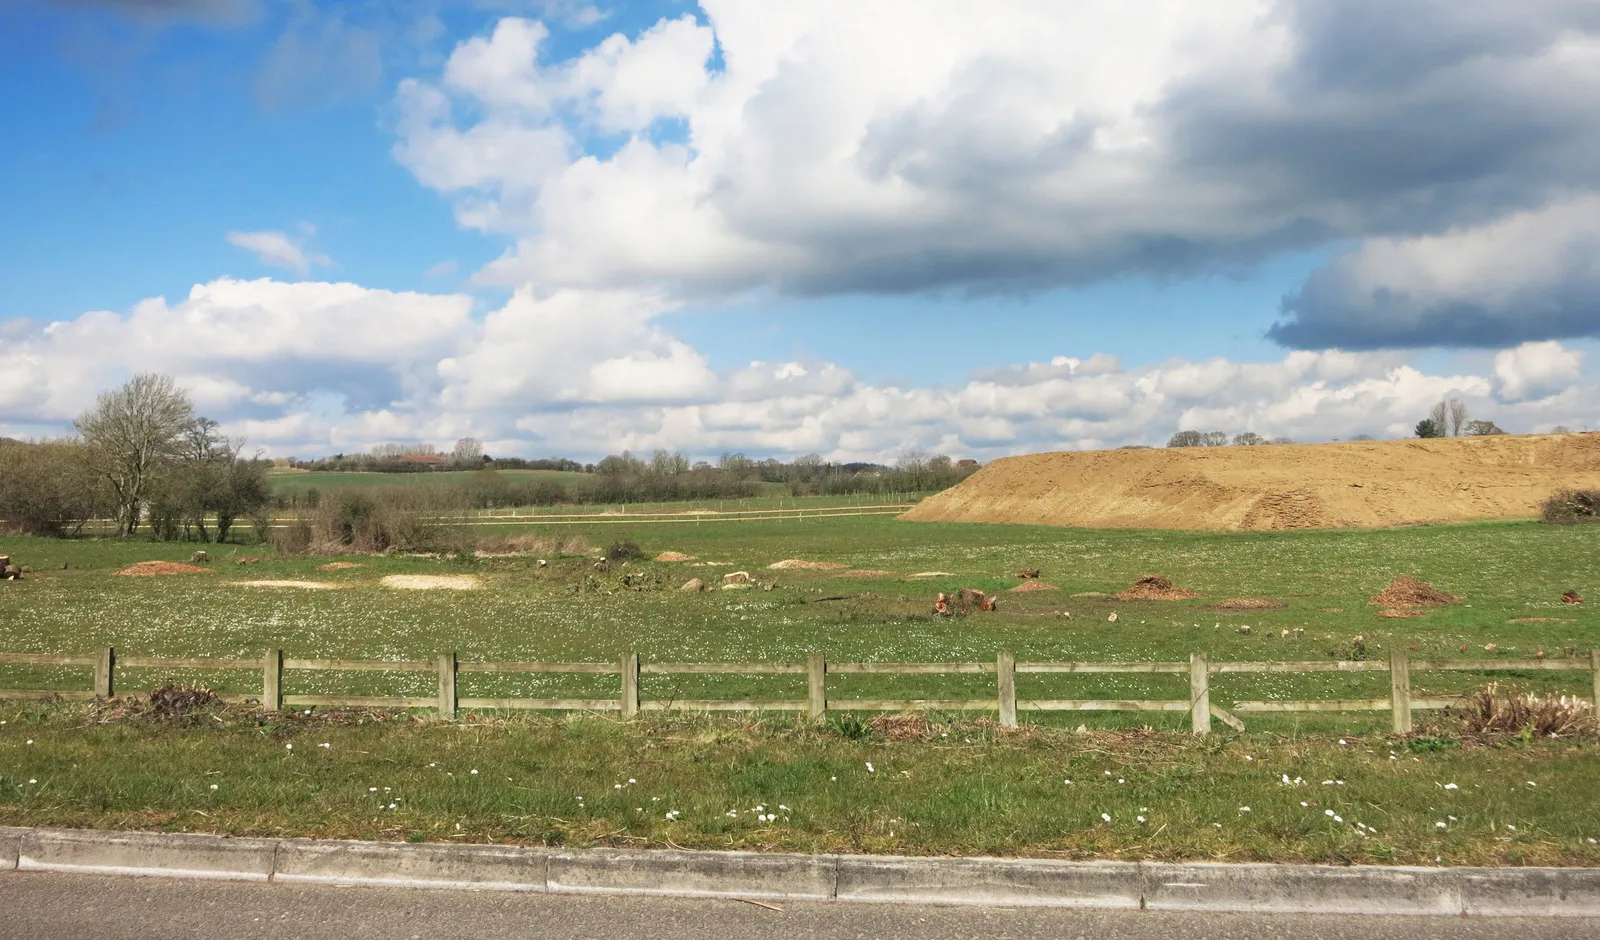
{"x":1458,"y":416}
{"x":1440,"y":416}
{"x":130,"y":430}
{"x":468,"y":452}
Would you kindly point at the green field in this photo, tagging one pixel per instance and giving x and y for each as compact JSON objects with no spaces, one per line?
{"x":993,"y":793}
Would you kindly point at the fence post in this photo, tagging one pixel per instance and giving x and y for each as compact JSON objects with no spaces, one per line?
{"x":272,"y":680}
{"x":447,"y":686}
{"x":1400,"y":690}
{"x":1199,"y":693}
{"x":817,"y":673}
{"x":1006,"y":670}
{"x":630,"y":685}
{"x":104,"y":673}
{"x":1594,"y":667}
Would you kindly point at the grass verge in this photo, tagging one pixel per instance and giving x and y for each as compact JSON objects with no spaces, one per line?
{"x":901,"y":785}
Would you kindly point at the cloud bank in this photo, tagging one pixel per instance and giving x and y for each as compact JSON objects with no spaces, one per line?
{"x":312,"y":368}
{"x":909,"y":145}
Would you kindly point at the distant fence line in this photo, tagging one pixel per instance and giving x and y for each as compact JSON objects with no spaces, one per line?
{"x":816,"y":668}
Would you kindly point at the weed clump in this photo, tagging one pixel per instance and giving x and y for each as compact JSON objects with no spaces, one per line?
{"x":173,"y":701}
{"x":1491,"y":711}
{"x":624,"y":550}
{"x":1570,"y":507}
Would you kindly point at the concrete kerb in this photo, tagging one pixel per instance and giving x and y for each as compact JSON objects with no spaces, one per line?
{"x":425,"y":865}
{"x":10,"y":846}
{"x":1253,"y":888}
{"x":1012,"y":882}
{"x":1304,"y":889}
{"x":693,"y":874}
{"x":174,"y":855}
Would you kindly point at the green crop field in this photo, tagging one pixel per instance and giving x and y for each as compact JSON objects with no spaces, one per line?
{"x":967,"y":787}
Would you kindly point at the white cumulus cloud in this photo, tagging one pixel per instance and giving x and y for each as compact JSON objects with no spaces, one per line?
{"x":278,"y":250}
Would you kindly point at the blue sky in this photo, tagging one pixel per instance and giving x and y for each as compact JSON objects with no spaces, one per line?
{"x":847,"y":228}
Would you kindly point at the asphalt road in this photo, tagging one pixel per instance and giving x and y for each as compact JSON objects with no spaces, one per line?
{"x":39,"y":905}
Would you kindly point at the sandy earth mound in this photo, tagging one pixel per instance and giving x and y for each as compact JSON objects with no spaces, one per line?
{"x":160,"y":567}
{"x":337,"y":566}
{"x":1246,"y":603}
{"x":801,"y":564}
{"x":1299,"y":486}
{"x":432,"y":582}
{"x":1153,"y":587}
{"x":1409,"y":592}
{"x":1027,"y":586}
{"x":674,"y":556}
{"x":303,"y":585}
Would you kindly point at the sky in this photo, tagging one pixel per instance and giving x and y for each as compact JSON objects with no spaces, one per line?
{"x":856,"y":228}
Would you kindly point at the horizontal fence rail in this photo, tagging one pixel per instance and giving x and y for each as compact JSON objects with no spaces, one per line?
{"x":1199,"y":670}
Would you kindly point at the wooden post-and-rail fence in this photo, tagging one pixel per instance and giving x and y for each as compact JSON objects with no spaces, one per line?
{"x":1199,"y":669}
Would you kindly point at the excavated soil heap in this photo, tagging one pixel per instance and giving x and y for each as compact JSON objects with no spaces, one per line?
{"x":1409,"y":592}
{"x":674,"y":556}
{"x":1246,"y":603}
{"x":1356,"y":484}
{"x":802,"y":564}
{"x":1153,"y":587}
{"x":1026,"y":586}
{"x":161,"y":567}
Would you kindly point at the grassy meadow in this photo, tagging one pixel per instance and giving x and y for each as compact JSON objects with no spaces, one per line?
{"x":955,"y":785}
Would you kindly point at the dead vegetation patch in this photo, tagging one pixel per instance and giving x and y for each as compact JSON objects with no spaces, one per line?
{"x":1153,"y":587}
{"x":529,"y":543}
{"x":801,"y":564}
{"x":1027,"y":586}
{"x":338,"y":566}
{"x":1540,"y":620}
{"x":1246,"y":603}
{"x":1490,"y":710}
{"x":148,"y":568}
{"x":1406,"y":591}
{"x":932,"y":574}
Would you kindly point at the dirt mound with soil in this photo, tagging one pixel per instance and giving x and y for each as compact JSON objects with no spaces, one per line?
{"x":674,"y":556}
{"x":1246,"y":603}
{"x":800,"y":564}
{"x":144,"y":568}
{"x":302,"y":585}
{"x":1153,"y":587}
{"x":1027,"y":586}
{"x":432,"y":582}
{"x":1356,"y":484}
{"x":1410,"y":592}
